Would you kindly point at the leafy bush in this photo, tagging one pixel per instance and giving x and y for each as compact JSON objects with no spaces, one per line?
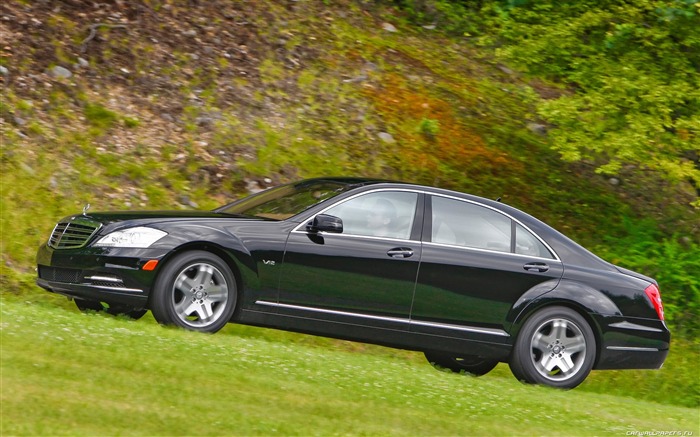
{"x":673,"y":263}
{"x":633,"y":69}
{"x":630,"y":69}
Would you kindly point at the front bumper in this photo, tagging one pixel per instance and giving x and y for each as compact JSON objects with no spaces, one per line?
{"x":111,"y":275}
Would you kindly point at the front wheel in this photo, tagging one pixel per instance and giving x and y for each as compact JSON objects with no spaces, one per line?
{"x":471,"y":364}
{"x":195,"y":290}
{"x":555,"y":347}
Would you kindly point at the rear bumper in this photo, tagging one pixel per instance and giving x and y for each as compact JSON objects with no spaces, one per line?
{"x":632,"y":343}
{"x":112,"y":275}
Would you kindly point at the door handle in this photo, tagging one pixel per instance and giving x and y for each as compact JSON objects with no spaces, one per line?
{"x":536,"y":267}
{"x":400,"y":252}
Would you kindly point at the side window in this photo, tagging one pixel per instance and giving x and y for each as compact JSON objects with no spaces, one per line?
{"x":464,"y":224}
{"x":528,"y":244}
{"x":380,"y":214}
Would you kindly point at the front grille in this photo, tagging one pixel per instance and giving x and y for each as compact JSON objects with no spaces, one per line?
{"x":73,"y":234}
{"x":71,"y":276}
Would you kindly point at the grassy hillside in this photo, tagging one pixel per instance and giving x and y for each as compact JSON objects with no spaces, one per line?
{"x":66,"y":373}
{"x":174,"y":104}
{"x":185,"y":104}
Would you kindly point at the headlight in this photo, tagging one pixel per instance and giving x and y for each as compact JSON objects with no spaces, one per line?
{"x":140,"y":237}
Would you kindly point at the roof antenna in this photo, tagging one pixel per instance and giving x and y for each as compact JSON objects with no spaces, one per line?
{"x":498,"y":199}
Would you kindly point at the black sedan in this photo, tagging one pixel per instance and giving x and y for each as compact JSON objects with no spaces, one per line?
{"x":468,"y":281}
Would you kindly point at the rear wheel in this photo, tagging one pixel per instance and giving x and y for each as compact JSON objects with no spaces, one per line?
{"x":555,"y":347}
{"x":471,"y":364}
{"x":113,"y":309}
{"x":195,"y":290}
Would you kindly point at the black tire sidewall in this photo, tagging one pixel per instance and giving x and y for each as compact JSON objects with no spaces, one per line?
{"x":449,"y":362}
{"x":521,"y":363}
{"x":161,"y":299}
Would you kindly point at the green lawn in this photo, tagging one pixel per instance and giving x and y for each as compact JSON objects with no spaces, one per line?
{"x":67,"y":373}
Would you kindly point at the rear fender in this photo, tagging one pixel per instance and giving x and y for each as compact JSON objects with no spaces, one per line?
{"x":583,"y":298}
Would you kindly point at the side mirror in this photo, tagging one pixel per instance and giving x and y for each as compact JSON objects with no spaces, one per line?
{"x":325,"y":223}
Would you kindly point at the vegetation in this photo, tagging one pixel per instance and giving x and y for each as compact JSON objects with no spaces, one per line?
{"x":584,"y":114}
{"x":67,"y":373}
{"x":627,"y":73}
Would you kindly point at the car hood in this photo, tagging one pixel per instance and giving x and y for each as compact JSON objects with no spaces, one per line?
{"x":108,"y":218}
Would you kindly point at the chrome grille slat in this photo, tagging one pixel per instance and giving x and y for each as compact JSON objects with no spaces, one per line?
{"x":73,"y":234}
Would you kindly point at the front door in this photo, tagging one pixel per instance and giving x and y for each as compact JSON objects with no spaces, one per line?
{"x":364,"y":275}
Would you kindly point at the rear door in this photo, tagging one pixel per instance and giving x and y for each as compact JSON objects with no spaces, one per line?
{"x":476,"y":263}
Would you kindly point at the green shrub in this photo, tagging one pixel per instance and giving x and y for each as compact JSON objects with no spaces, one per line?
{"x":99,"y":116}
{"x":674,"y":263}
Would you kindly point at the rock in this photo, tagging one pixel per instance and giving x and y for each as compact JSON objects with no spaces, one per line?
{"x":19,"y":121}
{"x":389,"y":27}
{"x":362,"y":77}
{"x":185,"y":200}
{"x":190,"y":33}
{"x":386,"y":137}
{"x":83,"y":63}
{"x":430,"y":27}
{"x":4,"y":71}
{"x":204,"y":121}
{"x":537,"y":128}
{"x":252,"y":186}
{"x":60,"y":72}
{"x":506,"y":70}
{"x":370,"y":66}
{"x":614,"y":182}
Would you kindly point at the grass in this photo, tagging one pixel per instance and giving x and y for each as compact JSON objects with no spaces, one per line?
{"x":67,"y":373}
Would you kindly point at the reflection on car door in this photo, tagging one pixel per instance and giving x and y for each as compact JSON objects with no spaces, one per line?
{"x":476,"y":263}
{"x":366,"y":274}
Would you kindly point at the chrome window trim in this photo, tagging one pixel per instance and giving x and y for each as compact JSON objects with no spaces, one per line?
{"x":490,"y":331}
{"x":496,"y":252}
{"x":364,"y":237}
{"x":377,"y":190}
{"x":300,"y":228}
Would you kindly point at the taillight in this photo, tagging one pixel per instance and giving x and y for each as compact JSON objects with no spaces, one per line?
{"x":654,"y":296}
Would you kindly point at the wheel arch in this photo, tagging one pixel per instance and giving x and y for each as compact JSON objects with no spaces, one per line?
{"x":548,"y":302}
{"x":231,"y":261}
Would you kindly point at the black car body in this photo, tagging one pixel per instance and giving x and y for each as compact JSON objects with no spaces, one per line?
{"x":469,"y":281}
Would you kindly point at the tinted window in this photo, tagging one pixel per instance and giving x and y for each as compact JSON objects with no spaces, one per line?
{"x":379,"y":214}
{"x":528,"y":244}
{"x":466,"y":224}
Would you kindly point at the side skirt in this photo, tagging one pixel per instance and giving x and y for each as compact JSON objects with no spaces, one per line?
{"x":394,"y":338}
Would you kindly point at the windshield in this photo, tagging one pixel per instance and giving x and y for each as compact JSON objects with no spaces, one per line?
{"x":286,"y":201}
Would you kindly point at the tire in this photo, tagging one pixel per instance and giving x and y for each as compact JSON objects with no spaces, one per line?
{"x":115,"y":310}
{"x":472,"y":364}
{"x":196,"y":291}
{"x":88,"y":305}
{"x":555,"y":347}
